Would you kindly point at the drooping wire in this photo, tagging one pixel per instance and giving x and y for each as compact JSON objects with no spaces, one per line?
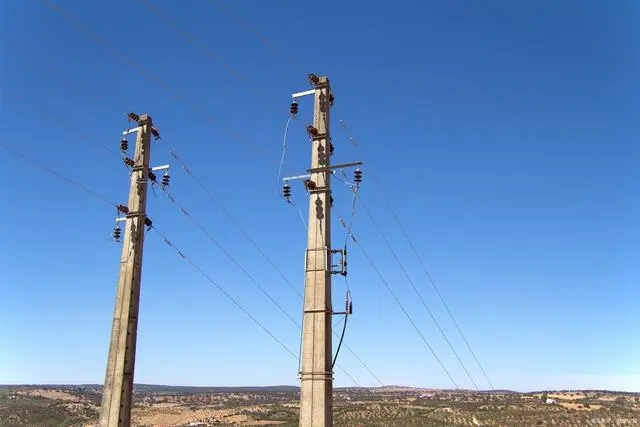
{"x":355,"y":199}
{"x":70,"y":81}
{"x":304,"y":221}
{"x":223,"y":291}
{"x":266,"y":41}
{"x":404,"y":270}
{"x":397,"y":300}
{"x":344,"y":324}
{"x":284,"y":149}
{"x":189,"y":172}
{"x":195,"y":41}
{"x":231,"y":218}
{"x":167,"y":241}
{"x":354,"y":189}
{"x":352,"y":139}
{"x":36,"y":108}
{"x":256,"y":32}
{"x":57,"y":174}
{"x":184,"y":211}
{"x":126,"y":59}
{"x":424,"y":303}
{"x":418,"y":256}
{"x":165,"y":86}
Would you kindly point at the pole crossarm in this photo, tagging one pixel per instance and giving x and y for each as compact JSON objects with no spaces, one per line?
{"x":332,"y":168}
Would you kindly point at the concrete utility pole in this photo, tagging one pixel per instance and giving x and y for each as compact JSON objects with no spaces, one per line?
{"x":118,"y":384}
{"x":316,"y":371}
{"x":316,"y":392}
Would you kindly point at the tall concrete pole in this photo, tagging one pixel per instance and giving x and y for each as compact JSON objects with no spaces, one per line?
{"x":316,"y":391}
{"x":118,"y":384}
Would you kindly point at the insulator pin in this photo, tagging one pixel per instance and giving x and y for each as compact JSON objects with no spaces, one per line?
{"x":148,"y":222}
{"x":165,"y":180}
{"x":117,"y":233}
{"x":294,"y":108}
{"x":134,"y":117}
{"x":152,"y":176}
{"x":122,"y":209}
{"x":156,"y":133}
{"x":357,"y":176}
{"x":310,"y":185}
{"x":129,"y":162}
{"x":313,"y":79}
{"x":124,"y":144}
{"x":286,"y":192}
{"x":312,"y":131}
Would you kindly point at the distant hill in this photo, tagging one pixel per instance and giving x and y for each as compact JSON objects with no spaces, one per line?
{"x":159,"y":388}
{"x":154,"y":388}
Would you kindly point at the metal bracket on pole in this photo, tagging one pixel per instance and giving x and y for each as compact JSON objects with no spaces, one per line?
{"x":331,"y":168}
{"x":305,"y":93}
{"x":132,"y":130}
{"x":341,"y":267}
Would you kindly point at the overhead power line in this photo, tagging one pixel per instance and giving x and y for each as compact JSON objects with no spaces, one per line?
{"x":182,"y":255}
{"x":228,"y":214}
{"x":126,"y":59}
{"x":417,"y":255}
{"x":57,"y":174}
{"x":141,"y":69}
{"x":284,"y":56}
{"x":424,"y":303}
{"x":184,"y":211}
{"x":203,"y":48}
{"x":397,"y":300}
{"x":154,"y":227}
{"x":69,"y":83}
{"x":37,"y":109}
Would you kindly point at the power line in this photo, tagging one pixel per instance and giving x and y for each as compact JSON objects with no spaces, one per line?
{"x":166,"y":240}
{"x":273,"y":48}
{"x":145,"y":72}
{"x":223,"y":291}
{"x":12,"y":45}
{"x":202,"y":47}
{"x":39,"y":110}
{"x":183,"y":210}
{"x":132,"y":63}
{"x":189,"y":172}
{"x":226,"y":212}
{"x":420,"y":259}
{"x":211,"y":196}
{"x":237,"y":263}
{"x":397,"y":300}
{"x":280,"y":53}
{"x":424,"y":304}
{"x":57,"y":174}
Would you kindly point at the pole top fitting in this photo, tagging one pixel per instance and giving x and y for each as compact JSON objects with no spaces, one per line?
{"x":145,"y":119}
{"x":318,"y":81}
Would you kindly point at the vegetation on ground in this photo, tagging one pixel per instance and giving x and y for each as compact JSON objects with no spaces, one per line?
{"x":354,"y":407}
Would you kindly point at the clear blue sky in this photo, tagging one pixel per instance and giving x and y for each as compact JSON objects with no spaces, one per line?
{"x":504,"y":133}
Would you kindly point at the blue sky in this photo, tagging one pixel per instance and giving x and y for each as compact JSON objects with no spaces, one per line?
{"x":503,"y":133}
